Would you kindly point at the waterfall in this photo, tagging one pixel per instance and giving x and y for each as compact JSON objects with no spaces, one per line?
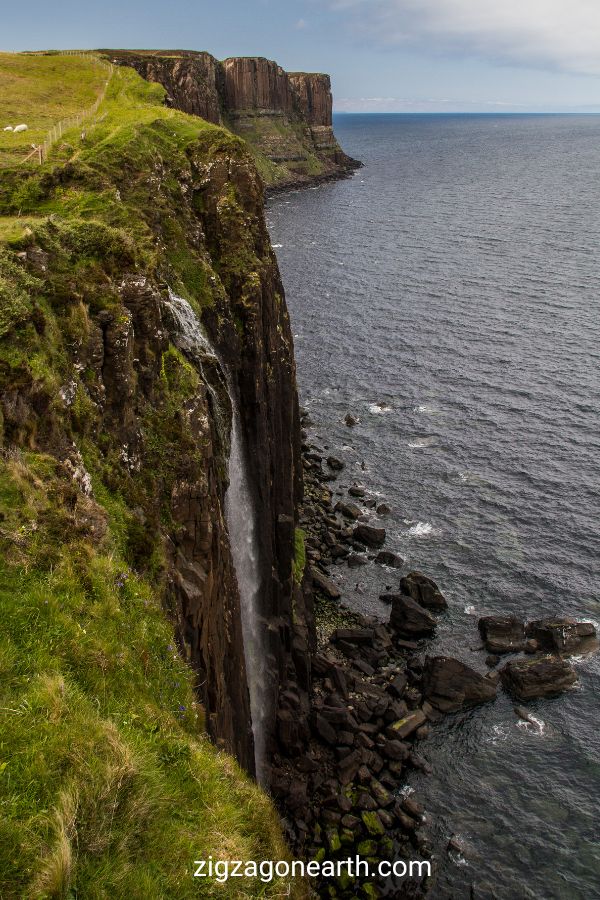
{"x":241,"y":523}
{"x":187,"y":334}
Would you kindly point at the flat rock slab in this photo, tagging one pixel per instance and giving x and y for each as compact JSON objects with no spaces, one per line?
{"x":353,"y":635}
{"x":410,"y":618}
{"x":537,"y":676}
{"x":502,"y":634}
{"x":563,"y":635}
{"x":424,"y":590}
{"x":403,"y":727}
{"x":449,"y":684}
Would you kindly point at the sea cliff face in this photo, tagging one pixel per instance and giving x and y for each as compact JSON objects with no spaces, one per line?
{"x":285,"y":117}
{"x":141,"y":303}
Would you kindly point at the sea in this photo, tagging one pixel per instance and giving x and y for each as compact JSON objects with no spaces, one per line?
{"x":448,"y":296}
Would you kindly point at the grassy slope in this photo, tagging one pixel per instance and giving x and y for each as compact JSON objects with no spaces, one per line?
{"x":39,"y":91}
{"x":108,"y":784}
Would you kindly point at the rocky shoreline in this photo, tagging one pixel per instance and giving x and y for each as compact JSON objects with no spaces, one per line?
{"x":376,"y":693}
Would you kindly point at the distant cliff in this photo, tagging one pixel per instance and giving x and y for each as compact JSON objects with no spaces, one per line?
{"x":285,"y":117}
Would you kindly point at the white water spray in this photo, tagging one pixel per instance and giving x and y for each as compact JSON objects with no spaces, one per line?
{"x":241,"y":521}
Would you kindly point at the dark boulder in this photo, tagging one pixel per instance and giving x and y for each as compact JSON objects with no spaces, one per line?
{"x":409,"y":618}
{"x":355,"y":560}
{"x":349,"y":510}
{"x":356,"y":490}
{"x":325,"y":585}
{"x":537,"y":676}
{"x":369,"y":535}
{"x":387,"y":558}
{"x":424,"y":590}
{"x":449,"y":684}
{"x":351,"y":420}
{"x":334,"y":463}
{"x":502,"y":634}
{"x":563,"y":635}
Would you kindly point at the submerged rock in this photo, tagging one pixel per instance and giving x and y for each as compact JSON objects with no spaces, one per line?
{"x":449,"y":684}
{"x":424,"y":590}
{"x":539,"y":676}
{"x":350,"y":420}
{"x":334,"y":463}
{"x":502,"y":634}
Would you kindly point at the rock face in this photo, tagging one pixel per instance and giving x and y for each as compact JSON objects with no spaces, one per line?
{"x":287,"y":117}
{"x":502,"y":634}
{"x":423,"y":589}
{"x":539,"y":676}
{"x":193,"y":81}
{"x":563,"y":635}
{"x":449,"y":684}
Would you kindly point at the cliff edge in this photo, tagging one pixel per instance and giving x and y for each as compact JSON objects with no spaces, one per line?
{"x":286,"y":117}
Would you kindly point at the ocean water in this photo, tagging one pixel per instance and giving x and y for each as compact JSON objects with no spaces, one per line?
{"x":449,"y":296}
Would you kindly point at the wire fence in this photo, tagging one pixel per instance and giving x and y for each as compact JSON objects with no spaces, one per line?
{"x":39,"y":153}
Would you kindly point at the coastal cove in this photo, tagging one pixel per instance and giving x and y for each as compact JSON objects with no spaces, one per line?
{"x":445,"y":297}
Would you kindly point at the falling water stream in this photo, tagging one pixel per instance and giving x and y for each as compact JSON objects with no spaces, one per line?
{"x":189,"y":337}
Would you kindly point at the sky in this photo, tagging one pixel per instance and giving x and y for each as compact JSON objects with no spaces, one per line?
{"x":382,"y":55}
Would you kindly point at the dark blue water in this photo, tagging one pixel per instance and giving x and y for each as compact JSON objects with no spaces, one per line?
{"x":456,"y":279}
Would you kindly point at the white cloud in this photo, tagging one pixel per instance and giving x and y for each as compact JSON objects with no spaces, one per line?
{"x":557,"y":34}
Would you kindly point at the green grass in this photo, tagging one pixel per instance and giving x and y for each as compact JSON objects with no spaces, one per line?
{"x":109,"y":786}
{"x":39,"y":91}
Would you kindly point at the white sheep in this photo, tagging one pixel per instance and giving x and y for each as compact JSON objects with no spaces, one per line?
{"x":19,"y":128}
{"x":8,"y":128}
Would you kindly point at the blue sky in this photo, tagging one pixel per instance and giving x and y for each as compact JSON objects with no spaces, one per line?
{"x":383,"y":55}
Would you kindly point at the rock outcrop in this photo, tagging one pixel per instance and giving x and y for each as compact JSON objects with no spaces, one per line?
{"x":449,"y":684}
{"x":540,"y":676}
{"x":502,"y":634}
{"x":285,"y":117}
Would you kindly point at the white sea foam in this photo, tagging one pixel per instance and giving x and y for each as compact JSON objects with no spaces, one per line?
{"x":470,"y":610}
{"x":422,"y":443}
{"x":277,"y":246}
{"x":421,"y":529}
{"x":498,"y":735}
{"x":533,"y":725}
{"x":379,"y":409}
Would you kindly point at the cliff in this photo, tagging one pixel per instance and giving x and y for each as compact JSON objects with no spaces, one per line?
{"x":285,"y":117}
{"x":142,"y":311}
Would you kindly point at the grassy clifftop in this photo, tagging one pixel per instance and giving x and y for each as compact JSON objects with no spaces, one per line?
{"x":109,"y":786}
